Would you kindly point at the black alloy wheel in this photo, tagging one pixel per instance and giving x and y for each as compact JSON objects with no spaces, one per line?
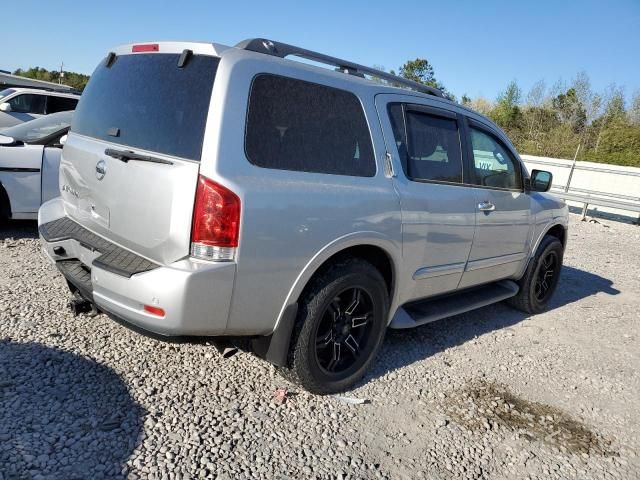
{"x":344,"y":331}
{"x":547,"y":276}
{"x":342,"y":319}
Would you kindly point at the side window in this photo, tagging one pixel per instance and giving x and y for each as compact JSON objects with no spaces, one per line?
{"x":28,"y":103}
{"x":303,"y":126}
{"x":60,"y":104}
{"x":432,"y":151}
{"x":494,"y":166}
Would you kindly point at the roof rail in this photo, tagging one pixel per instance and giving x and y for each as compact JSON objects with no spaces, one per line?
{"x":282,"y":50}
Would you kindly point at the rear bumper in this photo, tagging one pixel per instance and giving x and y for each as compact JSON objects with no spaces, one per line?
{"x":195,"y":295}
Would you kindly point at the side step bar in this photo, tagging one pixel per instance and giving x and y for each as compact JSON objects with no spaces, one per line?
{"x":430,"y":310}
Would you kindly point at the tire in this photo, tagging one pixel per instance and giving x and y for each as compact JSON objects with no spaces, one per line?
{"x":328,"y":324}
{"x":531,"y":298}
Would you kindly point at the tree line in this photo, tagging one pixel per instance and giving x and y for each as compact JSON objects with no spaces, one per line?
{"x":565,"y":120}
{"x":72,"y":79}
{"x":561,"y":121}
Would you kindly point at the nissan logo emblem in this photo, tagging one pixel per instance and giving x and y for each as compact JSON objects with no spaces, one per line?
{"x":101,"y":169}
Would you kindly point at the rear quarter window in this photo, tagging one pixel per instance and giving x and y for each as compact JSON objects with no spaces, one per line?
{"x":60,"y":104}
{"x":301,"y":126}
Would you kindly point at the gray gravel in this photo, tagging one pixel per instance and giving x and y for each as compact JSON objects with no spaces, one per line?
{"x":489,"y":394}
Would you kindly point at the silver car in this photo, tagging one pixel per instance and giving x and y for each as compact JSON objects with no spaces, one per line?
{"x":297,"y":211}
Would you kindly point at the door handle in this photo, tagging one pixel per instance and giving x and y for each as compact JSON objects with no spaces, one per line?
{"x":486,"y":206}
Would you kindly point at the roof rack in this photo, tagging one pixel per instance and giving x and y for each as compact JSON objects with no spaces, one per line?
{"x":282,"y":50}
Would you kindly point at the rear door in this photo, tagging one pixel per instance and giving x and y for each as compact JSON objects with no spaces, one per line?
{"x":438,"y":210}
{"x":151,"y":100}
{"x":503,"y":211}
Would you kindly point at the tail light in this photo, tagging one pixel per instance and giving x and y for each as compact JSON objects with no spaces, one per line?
{"x":216,"y":222}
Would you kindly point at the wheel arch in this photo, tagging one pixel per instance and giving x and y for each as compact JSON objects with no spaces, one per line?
{"x":373,"y":247}
{"x":370,"y":246}
{"x":5,"y":203}
{"x":556,"y":230}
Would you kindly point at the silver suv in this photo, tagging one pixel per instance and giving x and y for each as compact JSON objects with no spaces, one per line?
{"x":298,"y":211}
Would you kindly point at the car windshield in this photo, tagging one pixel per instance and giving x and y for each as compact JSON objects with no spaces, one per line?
{"x":6,"y":92}
{"x":39,"y":128}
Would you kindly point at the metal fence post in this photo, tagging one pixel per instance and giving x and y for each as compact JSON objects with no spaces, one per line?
{"x":584,"y":212}
{"x":573,"y":167}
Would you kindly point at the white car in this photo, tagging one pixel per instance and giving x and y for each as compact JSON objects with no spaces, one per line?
{"x":29,"y":162}
{"x":19,"y":105}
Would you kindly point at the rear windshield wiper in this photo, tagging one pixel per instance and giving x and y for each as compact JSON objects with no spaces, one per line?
{"x":126,"y":155}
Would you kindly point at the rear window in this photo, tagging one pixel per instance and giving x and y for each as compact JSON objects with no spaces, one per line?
{"x":303,"y":126}
{"x":145,"y":101}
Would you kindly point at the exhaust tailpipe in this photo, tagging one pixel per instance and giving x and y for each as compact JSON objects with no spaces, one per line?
{"x":229,"y":352}
{"x":225,"y":348}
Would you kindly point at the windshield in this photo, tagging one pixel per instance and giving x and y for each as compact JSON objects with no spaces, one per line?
{"x":35,"y":130}
{"x":6,"y":92}
{"x":147,"y":101}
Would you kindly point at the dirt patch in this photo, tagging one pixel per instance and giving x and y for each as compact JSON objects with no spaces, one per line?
{"x":489,"y":406}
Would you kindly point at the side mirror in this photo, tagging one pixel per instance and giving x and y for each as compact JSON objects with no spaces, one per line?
{"x":6,"y":141}
{"x":63,"y":139}
{"x":5,"y":107}
{"x":540,"y":180}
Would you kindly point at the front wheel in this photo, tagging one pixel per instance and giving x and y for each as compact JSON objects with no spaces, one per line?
{"x":340,"y":327}
{"x":541,"y":277}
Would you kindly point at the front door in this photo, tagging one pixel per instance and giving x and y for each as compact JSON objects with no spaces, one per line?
{"x":503,"y":218}
{"x":438,"y":211}
{"x":24,"y":107}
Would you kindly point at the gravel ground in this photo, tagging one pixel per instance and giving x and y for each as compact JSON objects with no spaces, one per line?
{"x":489,"y":394}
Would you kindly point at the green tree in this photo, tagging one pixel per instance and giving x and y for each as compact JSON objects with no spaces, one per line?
{"x":421,"y":71}
{"x":506,"y":111}
{"x":634,"y":109}
{"x":570,"y":109}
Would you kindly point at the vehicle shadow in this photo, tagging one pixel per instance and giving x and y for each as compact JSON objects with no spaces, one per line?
{"x":63,"y":416}
{"x":18,"y":229}
{"x":594,"y":213}
{"x":404,"y":347}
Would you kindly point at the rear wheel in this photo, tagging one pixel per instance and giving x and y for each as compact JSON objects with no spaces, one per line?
{"x":541,"y":277}
{"x":340,"y":327}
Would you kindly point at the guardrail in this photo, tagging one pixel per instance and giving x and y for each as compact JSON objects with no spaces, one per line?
{"x":587,"y":196}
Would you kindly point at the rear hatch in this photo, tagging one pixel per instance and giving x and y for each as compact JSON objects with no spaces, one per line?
{"x":130,"y":165}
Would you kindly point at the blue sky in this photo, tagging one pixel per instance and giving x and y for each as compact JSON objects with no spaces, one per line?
{"x":476,"y":47}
